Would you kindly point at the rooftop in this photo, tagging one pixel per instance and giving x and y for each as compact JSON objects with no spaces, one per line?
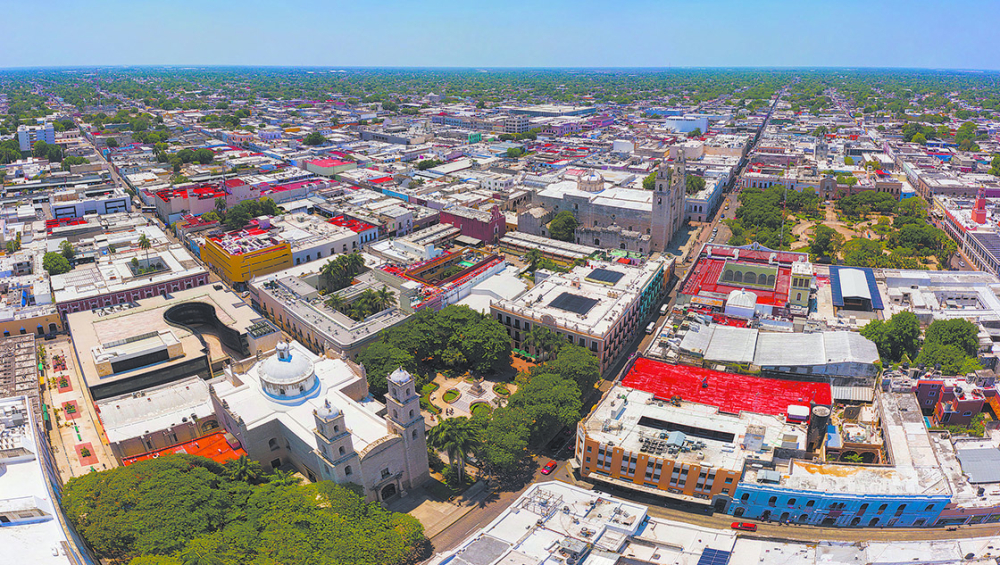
{"x":577,"y":302}
{"x":638,"y":421}
{"x":216,"y":446}
{"x":730,"y":392}
{"x":25,"y":487}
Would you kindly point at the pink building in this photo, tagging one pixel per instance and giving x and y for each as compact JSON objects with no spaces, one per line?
{"x":486,"y":226}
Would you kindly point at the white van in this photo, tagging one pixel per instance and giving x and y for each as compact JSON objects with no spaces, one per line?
{"x":663,"y":310}
{"x":651,"y":327}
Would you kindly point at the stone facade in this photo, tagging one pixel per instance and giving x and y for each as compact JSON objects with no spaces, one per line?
{"x":614,"y":237}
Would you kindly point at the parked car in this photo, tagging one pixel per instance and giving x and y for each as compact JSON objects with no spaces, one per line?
{"x":549,"y":467}
{"x":745,"y":526}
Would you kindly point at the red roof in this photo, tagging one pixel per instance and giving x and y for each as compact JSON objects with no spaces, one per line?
{"x":355,"y":226}
{"x":214,"y":446}
{"x":729,"y":392}
{"x":708,"y":271}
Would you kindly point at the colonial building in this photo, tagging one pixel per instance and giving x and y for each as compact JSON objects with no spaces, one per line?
{"x":657,"y":214}
{"x":298,"y":411}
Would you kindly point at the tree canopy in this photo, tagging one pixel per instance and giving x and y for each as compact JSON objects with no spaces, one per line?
{"x":563,"y":226}
{"x":455,"y":338}
{"x":240,"y":215}
{"x":186,"y":509}
{"x":896,"y":337}
{"x":55,"y":263}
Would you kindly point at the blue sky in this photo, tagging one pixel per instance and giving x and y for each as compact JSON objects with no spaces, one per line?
{"x":511,"y":33}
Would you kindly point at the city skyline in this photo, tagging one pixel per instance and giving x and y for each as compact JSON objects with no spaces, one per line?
{"x":719,"y":33}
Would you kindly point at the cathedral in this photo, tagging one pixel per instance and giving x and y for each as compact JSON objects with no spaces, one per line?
{"x":299,"y":411}
{"x":620,"y":218}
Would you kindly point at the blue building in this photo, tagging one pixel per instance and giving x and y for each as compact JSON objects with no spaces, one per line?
{"x":772,"y":502}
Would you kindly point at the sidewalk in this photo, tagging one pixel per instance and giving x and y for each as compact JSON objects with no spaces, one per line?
{"x":78,"y":442}
{"x":437,"y":515}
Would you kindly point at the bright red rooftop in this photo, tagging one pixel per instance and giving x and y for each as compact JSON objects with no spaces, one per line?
{"x":729,"y":392}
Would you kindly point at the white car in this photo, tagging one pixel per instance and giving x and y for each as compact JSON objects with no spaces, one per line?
{"x":651,"y":327}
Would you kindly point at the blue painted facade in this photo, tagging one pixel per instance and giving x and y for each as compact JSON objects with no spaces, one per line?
{"x":767,"y":502}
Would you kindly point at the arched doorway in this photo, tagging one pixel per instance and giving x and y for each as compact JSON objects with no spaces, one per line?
{"x":738,"y":512}
{"x":388,"y":491}
{"x":765,"y":516}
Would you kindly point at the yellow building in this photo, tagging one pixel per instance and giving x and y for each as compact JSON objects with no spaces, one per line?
{"x":239,"y":256}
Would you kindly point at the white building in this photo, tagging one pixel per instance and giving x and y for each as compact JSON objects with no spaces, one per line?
{"x":599,"y":306}
{"x":297,"y":410}
{"x":30,"y":528}
{"x":75,"y":203}
{"x":28,"y":135}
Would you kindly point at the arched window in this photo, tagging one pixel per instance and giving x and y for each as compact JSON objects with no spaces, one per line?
{"x":414,"y":436}
{"x":411,"y":414}
{"x":336,"y":429}
{"x":272,"y":444}
{"x":347,"y":470}
{"x":762,"y":279}
{"x":737,"y":277}
{"x":770,"y":280}
{"x":728,"y":275}
{"x":341,"y":450}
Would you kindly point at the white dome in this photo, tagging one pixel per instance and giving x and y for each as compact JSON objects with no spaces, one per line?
{"x":742,"y":299}
{"x":400,"y":376}
{"x":289,"y":375}
{"x":287,"y":367}
{"x":328,"y":410}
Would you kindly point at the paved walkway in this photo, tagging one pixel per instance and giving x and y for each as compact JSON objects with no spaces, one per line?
{"x":78,"y":442}
{"x":461,"y":406}
{"x":437,"y":515}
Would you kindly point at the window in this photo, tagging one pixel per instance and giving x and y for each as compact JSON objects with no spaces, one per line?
{"x":272,"y":444}
{"x":347,"y":470}
{"x":342,"y":450}
{"x":772,"y":501}
{"x":411,"y":414}
{"x":336,"y":429}
{"x":810,"y":504}
{"x":385,"y":473}
{"x":414,"y":435}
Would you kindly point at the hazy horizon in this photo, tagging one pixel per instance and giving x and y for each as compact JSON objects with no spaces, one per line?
{"x":921,"y":34}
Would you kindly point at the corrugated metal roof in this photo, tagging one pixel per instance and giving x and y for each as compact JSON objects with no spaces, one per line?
{"x":854,"y":284}
{"x":853,"y":393}
{"x":981,"y":465}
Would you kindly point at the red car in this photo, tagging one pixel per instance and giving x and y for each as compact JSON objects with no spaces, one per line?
{"x":549,"y":467}
{"x":745,"y":526}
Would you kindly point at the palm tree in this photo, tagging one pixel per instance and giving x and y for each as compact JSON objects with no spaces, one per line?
{"x":384,"y":298}
{"x":243,"y":469}
{"x":543,"y":340}
{"x":144,"y":244}
{"x":367,"y":303}
{"x":355,"y":262}
{"x":458,"y":438}
{"x":283,"y":478}
{"x":327,"y":273}
{"x":533,"y":257}
{"x":336,"y":302}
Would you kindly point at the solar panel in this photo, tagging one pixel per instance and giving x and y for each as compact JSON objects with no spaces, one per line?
{"x":605,"y":276}
{"x":573,"y":303}
{"x":714,"y":557}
